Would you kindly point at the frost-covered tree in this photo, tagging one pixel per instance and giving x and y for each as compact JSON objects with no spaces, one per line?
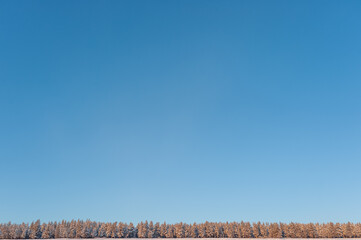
{"x":274,"y":231}
{"x":202,"y":233}
{"x":156,"y":232}
{"x":24,"y":231}
{"x":347,"y":230}
{"x":132,"y":231}
{"x":142,"y":229}
{"x":256,"y":229}
{"x":219,"y":231}
{"x":331,"y":230}
{"x":57,"y":231}
{"x":72,"y":229}
{"x":246,"y":229}
{"x":45,"y":231}
{"x":170,"y":231}
{"x":35,"y":230}
{"x":163,"y":230}
{"x":237,"y":230}
{"x":228,"y":230}
{"x":311,"y":231}
{"x":264,"y":230}
{"x":122,"y":230}
{"x":194,"y":230}
{"x":179,"y":230}
{"x":101,"y":230}
{"x":150,"y":232}
{"x":357,"y":230}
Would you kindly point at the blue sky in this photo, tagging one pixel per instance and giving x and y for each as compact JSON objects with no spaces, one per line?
{"x":180,"y":110}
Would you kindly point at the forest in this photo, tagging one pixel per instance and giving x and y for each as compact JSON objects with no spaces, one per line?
{"x":92,"y":229}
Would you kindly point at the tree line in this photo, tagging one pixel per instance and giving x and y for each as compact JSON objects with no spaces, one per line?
{"x":91,"y":229}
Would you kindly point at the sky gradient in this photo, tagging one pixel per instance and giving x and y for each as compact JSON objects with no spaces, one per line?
{"x":180,"y":110}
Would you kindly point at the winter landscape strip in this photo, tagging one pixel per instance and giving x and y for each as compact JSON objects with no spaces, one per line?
{"x":77,"y":229}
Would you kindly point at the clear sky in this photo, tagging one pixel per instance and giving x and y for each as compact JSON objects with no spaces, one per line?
{"x":180,"y":110}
